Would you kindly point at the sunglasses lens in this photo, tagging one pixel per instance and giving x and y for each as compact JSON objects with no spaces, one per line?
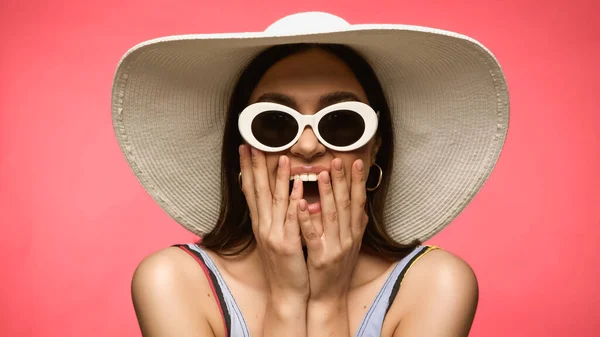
{"x":274,"y":128}
{"x":342,"y":127}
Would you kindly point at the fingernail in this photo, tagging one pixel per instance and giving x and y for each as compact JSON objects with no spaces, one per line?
{"x":281,"y":161}
{"x":302,"y":205}
{"x":337,"y":164}
{"x":241,"y":148}
{"x":325,"y":177}
{"x":297,"y":183}
{"x":360,"y":165}
{"x":253,"y":151}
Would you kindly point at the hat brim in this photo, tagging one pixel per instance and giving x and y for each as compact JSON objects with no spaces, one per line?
{"x":446,"y":92}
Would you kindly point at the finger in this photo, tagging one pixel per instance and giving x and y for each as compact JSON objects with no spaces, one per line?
{"x":358,"y":197}
{"x":261,"y":190}
{"x":280,"y":204}
{"x":329,"y":214}
{"x":341,"y":195}
{"x":247,"y":184}
{"x":310,"y":233}
{"x":291,"y":227}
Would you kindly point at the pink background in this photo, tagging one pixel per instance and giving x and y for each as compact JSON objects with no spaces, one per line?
{"x":75,"y":222}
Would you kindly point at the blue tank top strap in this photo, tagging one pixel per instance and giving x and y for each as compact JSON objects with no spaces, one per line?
{"x":372,"y":322}
{"x":235,"y":324}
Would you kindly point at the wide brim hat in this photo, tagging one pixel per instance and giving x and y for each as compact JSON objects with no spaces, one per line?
{"x":447,"y":95}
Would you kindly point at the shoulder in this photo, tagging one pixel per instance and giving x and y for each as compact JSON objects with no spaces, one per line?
{"x":164,"y":267}
{"x":440,"y":270}
{"x":171,"y":295}
{"x":167,"y":272}
{"x":439,"y":296}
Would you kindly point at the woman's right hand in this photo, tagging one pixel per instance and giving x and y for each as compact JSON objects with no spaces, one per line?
{"x":275,"y":223}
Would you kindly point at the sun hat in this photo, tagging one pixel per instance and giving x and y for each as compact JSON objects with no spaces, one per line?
{"x":446,"y":92}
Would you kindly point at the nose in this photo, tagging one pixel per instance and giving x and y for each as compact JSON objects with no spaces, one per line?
{"x":308,"y":145}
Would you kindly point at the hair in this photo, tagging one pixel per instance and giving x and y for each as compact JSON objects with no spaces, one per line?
{"x":233,"y":233}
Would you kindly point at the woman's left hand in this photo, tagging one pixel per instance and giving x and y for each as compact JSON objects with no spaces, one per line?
{"x":333,"y":249}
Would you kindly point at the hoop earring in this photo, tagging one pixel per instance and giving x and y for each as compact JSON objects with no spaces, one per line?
{"x":240,"y":180}
{"x":371,"y":189}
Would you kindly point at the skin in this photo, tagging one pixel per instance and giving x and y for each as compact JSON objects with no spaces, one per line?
{"x":278,"y":291}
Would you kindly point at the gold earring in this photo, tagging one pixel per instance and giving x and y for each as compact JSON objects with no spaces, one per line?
{"x":371,"y":189}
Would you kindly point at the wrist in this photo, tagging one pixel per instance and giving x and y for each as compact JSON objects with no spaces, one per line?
{"x":324,"y":309}
{"x":285,"y":316}
{"x":287,"y":295}
{"x":328,"y":318}
{"x":287,"y":305}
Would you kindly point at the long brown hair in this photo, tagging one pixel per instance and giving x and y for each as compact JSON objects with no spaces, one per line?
{"x":233,"y":234}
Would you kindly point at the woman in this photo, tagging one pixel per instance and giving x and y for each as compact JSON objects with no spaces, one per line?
{"x":334,"y":171}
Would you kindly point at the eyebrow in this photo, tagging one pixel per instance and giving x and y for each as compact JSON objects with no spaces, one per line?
{"x":275,"y":97}
{"x":325,"y":100}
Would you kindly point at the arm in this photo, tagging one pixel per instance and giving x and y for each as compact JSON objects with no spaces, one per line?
{"x":328,"y":319}
{"x":275,"y":227}
{"x":172,"y":297}
{"x":333,"y":247}
{"x":285,"y":315}
{"x":167,"y":289}
{"x":441,"y":294}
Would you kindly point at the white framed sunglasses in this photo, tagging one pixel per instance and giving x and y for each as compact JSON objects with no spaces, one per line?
{"x":273,"y":127}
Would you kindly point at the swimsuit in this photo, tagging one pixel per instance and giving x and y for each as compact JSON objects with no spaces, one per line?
{"x":371,"y":324}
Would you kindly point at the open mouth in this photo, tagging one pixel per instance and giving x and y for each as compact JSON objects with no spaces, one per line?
{"x":311,"y":190}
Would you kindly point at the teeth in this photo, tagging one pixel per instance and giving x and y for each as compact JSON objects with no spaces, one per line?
{"x":305,"y":177}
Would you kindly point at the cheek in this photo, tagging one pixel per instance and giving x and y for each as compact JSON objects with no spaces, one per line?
{"x":348,"y":163}
{"x":348,"y":166}
{"x":272,"y":163}
{"x":349,"y":159}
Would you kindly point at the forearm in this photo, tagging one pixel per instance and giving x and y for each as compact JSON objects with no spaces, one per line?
{"x":285,"y":316}
{"x":328,"y":318}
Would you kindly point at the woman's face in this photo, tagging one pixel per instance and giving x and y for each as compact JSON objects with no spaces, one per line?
{"x":308,"y":82}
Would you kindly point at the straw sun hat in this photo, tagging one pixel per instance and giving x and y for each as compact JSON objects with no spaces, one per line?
{"x":446,"y":92}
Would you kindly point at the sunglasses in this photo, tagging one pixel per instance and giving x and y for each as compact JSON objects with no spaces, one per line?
{"x":273,"y":127}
